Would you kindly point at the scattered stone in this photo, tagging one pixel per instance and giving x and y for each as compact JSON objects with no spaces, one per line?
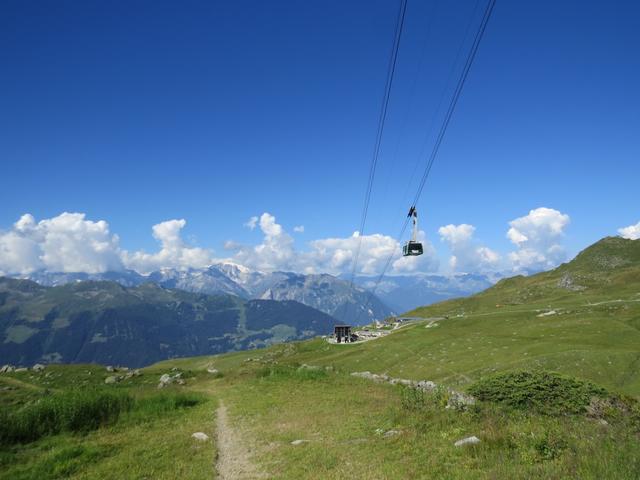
{"x":459,"y":401}
{"x":38,"y":367}
{"x":467,"y":441}
{"x":299,"y":442}
{"x":111,"y":380}
{"x":426,"y":385}
{"x":200,"y":436}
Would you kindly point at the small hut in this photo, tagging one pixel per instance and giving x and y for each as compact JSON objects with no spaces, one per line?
{"x":342,"y":333}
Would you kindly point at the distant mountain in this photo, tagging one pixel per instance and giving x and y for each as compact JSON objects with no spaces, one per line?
{"x":340,"y":299}
{"x":330,"y":294}
{"x":209,"y":280}
{"x":105,"y":322}
{"x":127,"y":278}
{"x":403,"y":293}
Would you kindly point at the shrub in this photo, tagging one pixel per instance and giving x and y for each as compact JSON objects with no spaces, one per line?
{"x":544,"y":392}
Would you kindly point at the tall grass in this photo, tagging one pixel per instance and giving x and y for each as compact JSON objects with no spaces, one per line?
{"x":82,"y":411}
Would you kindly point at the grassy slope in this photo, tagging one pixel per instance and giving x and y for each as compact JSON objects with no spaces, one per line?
{"x":593,"y":335}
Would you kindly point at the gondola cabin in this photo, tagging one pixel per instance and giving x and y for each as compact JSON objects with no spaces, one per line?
{"x":412,"y":248}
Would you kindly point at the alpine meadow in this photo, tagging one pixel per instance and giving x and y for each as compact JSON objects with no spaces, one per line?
{"x":389,"y":239}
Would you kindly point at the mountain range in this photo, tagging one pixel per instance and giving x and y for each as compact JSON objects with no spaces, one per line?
{"x":348,"y":303}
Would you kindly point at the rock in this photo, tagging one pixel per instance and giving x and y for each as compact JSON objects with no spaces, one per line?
{"x":137,"y":373}
{"x":110,"y":369}
{"x":181,"y":382}
{"x":7,"y":369}
{"x":391,"y":433}
{"x":166,"y":378}
{"x":459,"y":401}
{"x":467,"y":441}
{"x":213,"y":371}
{"x":200,"y":436}
{"x":426,"y":385}
{"x":111,"y":380}
{"x":38,"y":367}
{"x":299,"y":442}
{"x":21,"y":369}
{"x":124,"y":369}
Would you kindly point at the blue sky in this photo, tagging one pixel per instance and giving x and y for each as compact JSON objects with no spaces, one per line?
{"x":136,"y":113}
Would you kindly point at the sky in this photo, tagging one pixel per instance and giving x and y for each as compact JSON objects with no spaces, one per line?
{"x":174,"y":134}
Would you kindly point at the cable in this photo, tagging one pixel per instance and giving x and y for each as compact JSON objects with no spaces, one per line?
{"x":443,"y":129}
{"x":376,"y":149}
{"x":379,"y":134}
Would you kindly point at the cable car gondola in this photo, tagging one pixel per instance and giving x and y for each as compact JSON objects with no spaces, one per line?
{"x":413,"y":247}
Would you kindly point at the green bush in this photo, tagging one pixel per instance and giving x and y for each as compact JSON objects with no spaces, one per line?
{"x":544,"y":392}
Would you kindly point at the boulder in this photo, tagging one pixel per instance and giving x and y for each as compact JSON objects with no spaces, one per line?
{"x":111,"y":380}
{"x":110,"y":369}
{"x":38,"y":367}
{"x":200,"y":436}
{"x":7,"y":369}
{"x":21,"y":369}
{"x":467,"y":441}
{"x":299,"y":442}
{"x":213,"y":371}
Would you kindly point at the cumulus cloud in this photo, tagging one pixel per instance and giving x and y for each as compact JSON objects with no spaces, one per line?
{"x":299,"y":229}
{"x":173,"y":253}
{"x":276,"y":251}
{"x":537,"y":236}
{"x":632,"y":232}
{"x":331,"y":255}
{"x":466,"y":254}
{"x":66,"y":243}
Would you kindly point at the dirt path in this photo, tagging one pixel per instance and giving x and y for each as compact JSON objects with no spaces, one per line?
{"x":233,"y":462}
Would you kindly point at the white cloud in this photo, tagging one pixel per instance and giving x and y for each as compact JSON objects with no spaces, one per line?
{"x":251,"y":223}
{"x":537,"y":237}
{"x":66,"y":243}
{"x":632,"y":232}
{"x":173,"y":253}
{"x":466,"y":255}
{"x":331,"y":255}
{"x":299,"y":229}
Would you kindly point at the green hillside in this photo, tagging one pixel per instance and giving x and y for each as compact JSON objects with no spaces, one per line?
{"x":553,"y":360}
{"x":107,"y":323}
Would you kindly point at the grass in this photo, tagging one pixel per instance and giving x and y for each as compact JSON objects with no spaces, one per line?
{"x":74,"y":411}
{"x":345,"y":420}
{"x":102,"y":432}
